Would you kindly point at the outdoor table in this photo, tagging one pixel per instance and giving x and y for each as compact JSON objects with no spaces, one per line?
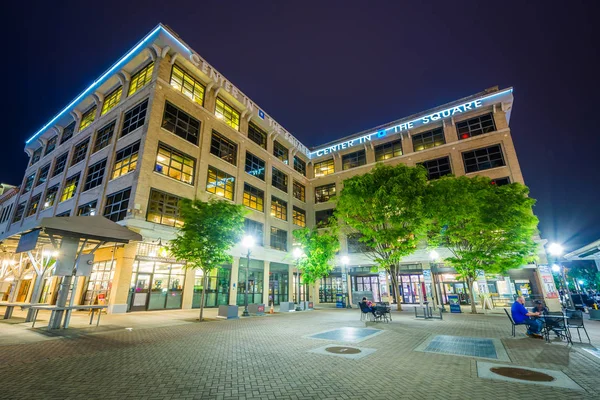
{"x":551,"y":321}
{"x":10,"y":307}
{"x":53,"y":309}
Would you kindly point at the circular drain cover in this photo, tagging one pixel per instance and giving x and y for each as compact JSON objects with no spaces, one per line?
{"x":342,"y":350}
{"x":522,"y":374}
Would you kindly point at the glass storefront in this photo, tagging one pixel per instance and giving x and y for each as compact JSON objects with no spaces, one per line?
{"x":278,"y":283}
{"x":412,"y":288}
{"x":156,"y":285}
{"x":328,"y":289}
{"x":99,"y":282}
{"x":217,"y":289}
{"x":255,"y":282}
{"x":368,"y":283}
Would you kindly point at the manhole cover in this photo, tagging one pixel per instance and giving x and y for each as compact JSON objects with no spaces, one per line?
{"x":342,"y":350}
{"x":522,"y":374}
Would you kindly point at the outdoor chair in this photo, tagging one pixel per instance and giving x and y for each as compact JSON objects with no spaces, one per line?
{"x":575,"y":320}
{"x":514,"y":326}
{"x":381,"y":313}
{"x":557,"y":324}
{"x":365,"y":313}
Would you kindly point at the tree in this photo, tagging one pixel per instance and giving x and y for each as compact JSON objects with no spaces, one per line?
{"x":319,"y":247}
{"x":485,"y":227}
{"x":586,"y":271}
{"x":210,"y":230}
{"x":386,"y":207}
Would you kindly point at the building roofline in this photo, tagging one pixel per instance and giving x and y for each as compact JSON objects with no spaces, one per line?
{"x":575,"y":254}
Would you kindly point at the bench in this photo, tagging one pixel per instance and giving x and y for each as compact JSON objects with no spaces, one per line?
{"x":53,"y":309}
{"x":10,"y":307}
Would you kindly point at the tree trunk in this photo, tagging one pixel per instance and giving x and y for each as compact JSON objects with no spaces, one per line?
{"x":394,"y":277}
{"x":472,"y":295}
{"x":204,"y":281}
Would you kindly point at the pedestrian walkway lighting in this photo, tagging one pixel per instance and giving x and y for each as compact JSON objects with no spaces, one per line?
{"x":298,"y":254}
{"x":555,"y":249}
{"x":434,"y":255}
{"x":345,"y":261}
{"x":248,"y":243}
{"x":556,"y":268}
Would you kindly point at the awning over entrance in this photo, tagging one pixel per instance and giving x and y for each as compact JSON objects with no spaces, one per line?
{"x":89,"y":227}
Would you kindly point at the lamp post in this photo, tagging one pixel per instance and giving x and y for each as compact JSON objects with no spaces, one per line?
{"x":248,"y":243}
{"x":345,"y":260}
{"x":298,"y":253}
{"x":556,"y":250}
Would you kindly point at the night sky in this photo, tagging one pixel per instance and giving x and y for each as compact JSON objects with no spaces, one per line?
{"x":327,"y":71}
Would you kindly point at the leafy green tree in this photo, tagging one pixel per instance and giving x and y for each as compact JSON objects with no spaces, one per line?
{"x":320,"y":247}
{"x":210,"y":230}
{"x":386,"y":207}
{"x":585,"y":271}
{"x":485,"y":227}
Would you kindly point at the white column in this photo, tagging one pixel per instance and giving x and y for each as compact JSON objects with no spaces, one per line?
{"x":233,"y":283}
{"x":266,"y":280}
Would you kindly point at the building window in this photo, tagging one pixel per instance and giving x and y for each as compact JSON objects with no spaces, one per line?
{"x":354,"y":160}
{"x":278,"y":239}
{"x":70,"y":188}
{"x":481,"y":159}
{"x":255,"y":166}
{"x":227,"y":114}
{"x":220,"y":183}
{"x":324,"y":168}
{"x":34,"y":202}
{"x":126,"y":160}
{"x":68,"y":132}
{"x":59,"y":165}
{"x":501,"y":181}
{"x":176,"y":165}
{"x":87,"y":118}
{"x":388,"y":150}
{"x":355,"y":245}
{"x":35,"y":157}
{"x":299,"y":216}
{"x":116,"y":205}
{"x":324,"y":193}
{"x":187,"y":85}
{"x":254,"y":198}
{"x":254,"y":229}
{"x":111,"y":100}
{"x":80,"y":152}
{"x":437,"y":168}
{"x":88,"y":209}
{"x":99,"y":282}
{"x":299,"y":191}
{"x":51,"y":145}
{"x":475,"y":126}
{"x":103,"y":137}
{"x":64,"y":214}
{"x":181,"y":124}
{"x":43,"y":175}
{"x":140,"y":79}
{"x":257,"y":135}
{"x":322,"y":217}
{"x":19,"y":212}
{"x":134,"y":118}
{"x":278,"y":208}
{"x":429,"y":139}
{"x":28,"y":183}
{"x":223,"y":148}
{"x":50,"y":196}
{"x":6,"y":213}
{"x":95,"y":175}
{"x":164,"y":209}
{"x":299,"y":165}
{"x":279,"y":180}
{"x":281,"y":152}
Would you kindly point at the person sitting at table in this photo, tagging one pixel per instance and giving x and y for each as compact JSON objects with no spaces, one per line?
{"x":539,"y":307}
{"x":368,"y":305}
{"x":521,"y":316}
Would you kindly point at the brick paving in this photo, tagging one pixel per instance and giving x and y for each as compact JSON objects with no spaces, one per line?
{"x":169,"y":356}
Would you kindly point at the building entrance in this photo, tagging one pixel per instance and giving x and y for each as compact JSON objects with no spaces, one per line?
{"x":278,"y":287}
{"x":156,"y":285}
{"x":412,"y":288}
{"x":217,"y":289}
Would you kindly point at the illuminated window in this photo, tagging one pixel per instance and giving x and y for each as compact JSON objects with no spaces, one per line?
{"x":254,"y":229}
{"x":181,"y":124}
{"x":164,"y":209}
{"x":126,"y":160}
{"x":19,"y":212}
{"x":299,"y":191}
{"x":60,"y":164}
{"x":95,"y":175}
{"x":103,"y":137}
{"x":111,"y":100}
{"x":223,"y":148}
{"x":68,"y":132}
{"x":501,"y":181}
{"x":278,"y":239}
{"x":51,"y":145}
{"x":64,"y":214}
{"x":324,"y":168}
{"x":134,"y":118}
{"x":281,"y":152}
{"x":475,"y":126}
{"x":257,"y":135}
{"x":70,"y":188}
{"x":279,"y":180}
{"x":429,"y":139}
{"x":187,"y":85}
{"x":28,"y":183}
{"x":278,"y":208}
{"x":87,"y":209}
{"x":140,"y":79}
{"x":220,"y":183}
{"x":255,"y":166}
{"x":87,"y":118}
{"x":32,"y":208}
{"x":300,"y":165}
{"x":354,"y":160}
{"x":116,"y":205}
{"x":482,"y":159}
{"x":43,"y":175}
{"x":299,"y":216}
{"x":388,"y":150}
{"x":80,"y":152}
{"x":174,"y":164}
{"x":35,"y":157}
{"x":324,"y":193}
{"x":254,"y":198}
{"x":322,"y":217}
{"x":50,"y":197}
{"x":437,"y":168}
{"x":227,"y":114}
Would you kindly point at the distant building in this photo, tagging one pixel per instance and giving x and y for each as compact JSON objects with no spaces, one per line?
{"x":590,"y":251}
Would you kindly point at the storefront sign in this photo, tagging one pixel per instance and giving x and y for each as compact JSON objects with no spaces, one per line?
{"x":548,"y":282}
{"x":454,"y":302}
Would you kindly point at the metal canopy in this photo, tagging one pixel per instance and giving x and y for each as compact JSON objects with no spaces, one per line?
{"x":91,"y":228}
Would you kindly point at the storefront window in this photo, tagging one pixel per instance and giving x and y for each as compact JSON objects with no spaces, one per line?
{"x":329,"y":288}
{"x":99,"y":283}
{"x":156,"y":285}
{"x":278,"y":283}
{"x":368,"y":283}
{"x":255,"y":282}
{"x":217,"y":289}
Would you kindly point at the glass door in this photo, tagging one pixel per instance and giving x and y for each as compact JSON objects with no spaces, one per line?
{"x":140,"y":292}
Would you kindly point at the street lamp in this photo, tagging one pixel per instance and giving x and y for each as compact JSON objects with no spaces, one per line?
{"x":298,"y":253}
{"x":248,"y":243}
{"x":345,"y":260}
{"x":556,"y":250}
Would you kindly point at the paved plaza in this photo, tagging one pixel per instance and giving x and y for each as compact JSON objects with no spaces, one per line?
{"x":169,"y":355}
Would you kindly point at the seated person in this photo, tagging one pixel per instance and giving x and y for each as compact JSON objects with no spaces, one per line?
{"x":368,"y":305}
{"x":521,"y":316}
{"x":539,"y":307}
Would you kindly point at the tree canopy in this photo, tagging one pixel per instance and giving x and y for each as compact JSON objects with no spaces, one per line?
{"x":319,"y":247}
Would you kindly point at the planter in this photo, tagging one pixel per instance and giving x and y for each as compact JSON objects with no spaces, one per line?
{"x":256,"y":309}
{"x":287,"y":306}
{"x":594,"y":314}
{"x":228,"y":312}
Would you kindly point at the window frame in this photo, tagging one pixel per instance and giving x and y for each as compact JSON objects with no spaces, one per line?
{"x":300,"y":165}
{"x":131,"y":118}
{"x":480,"y":162}
{"x":220,"y":176}
{"x":33,"y":205}
{"x":53,"y":192}
{"x":257,"y":135}
{"x":329,"y":166}
{"x":103,"y":137}
{"x":61,"y":162}
{"x":279,"y":179}
{"x":121,"y":155}
{"x":137,"y":82}
{"x":329,"y":193}
{"x":388,"y":150}
{"x":298,"y":217}
{"x":301,"y":192}
{"x":279,"y":234}
{"x":428,"y":140}
{"x":70,"y":187}
{"x":279,"y":208}
{"x":219,"y":144}
{"x":180,"y":123}
{"x":88,"y":117}
{"x":252,"y":195}
{"x":120,"y":203}
{"x":475,"y":126}
{"x":92,"y":205}
{"x":354,"y":160}
{"x":162,"y":205}
{"x":170,"y":167}
{"x":68,"y":132}
{"x":186,"y":91}
{"x":111,"y":100}
{"x":95,"y":176}
{"x":249,"y":229}
{"x":50,"y":145}
{"x":284,"y":155}
{"x":40,"y":175}
{"x":221,"y":110}
{"x":253,"y":161}
{"x":79,"y":152}
{"x":36,"y":156}
{"x":438,"y":172}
